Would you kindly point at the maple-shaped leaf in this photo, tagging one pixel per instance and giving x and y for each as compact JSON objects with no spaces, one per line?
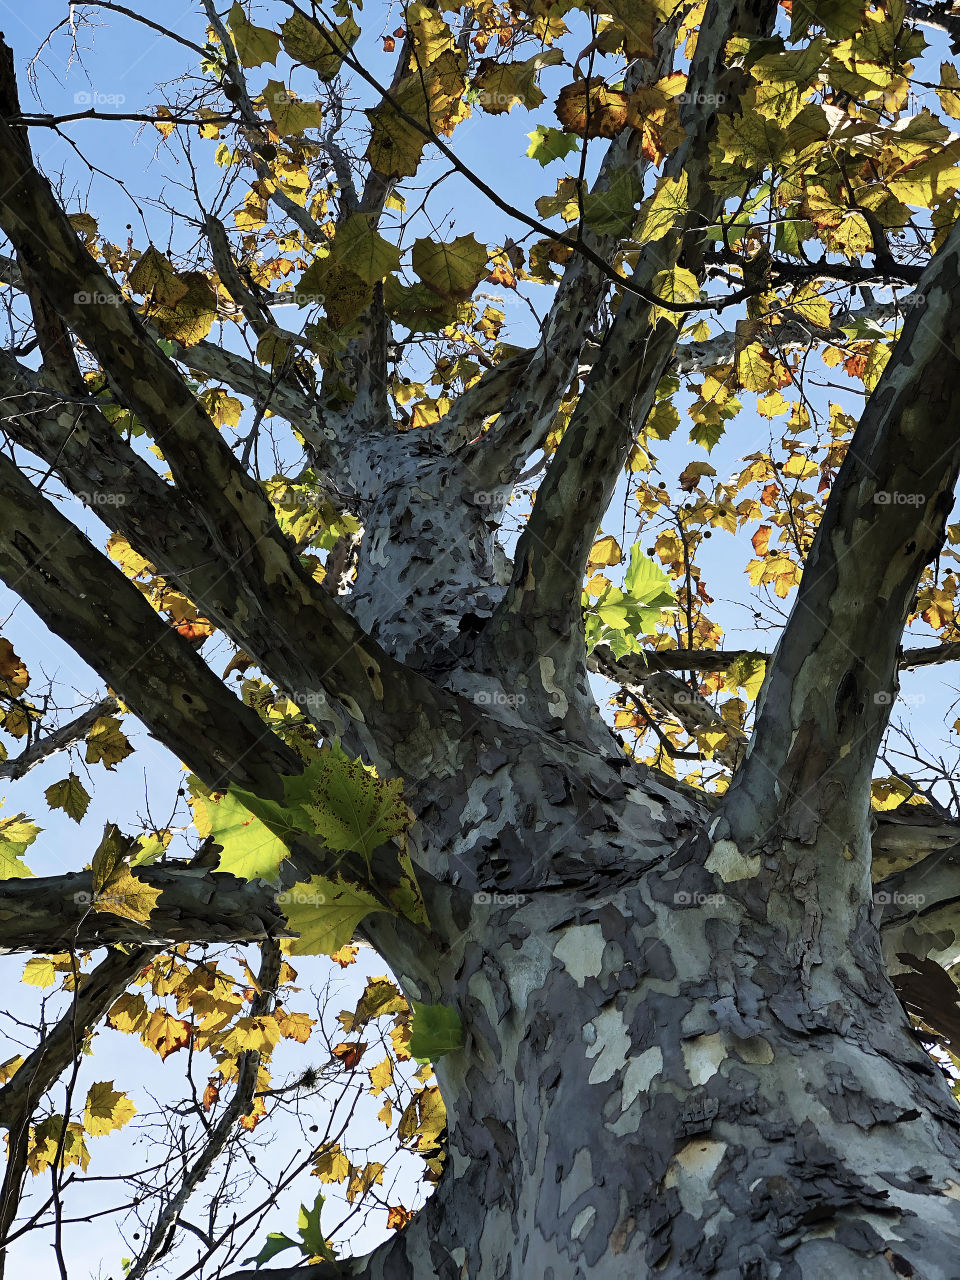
{"x":319,"y":47}
{"x":431,"y":95}
{"x":592,"y":110}
{"x":116,"y":889}
{"x":190,"y":319}
{"x":16,"y":836}
{"x":288,"y":112}
{"x":155,"y":278}
{"x":500,"y":86}
{"x":548,"y":144}
{"x":255,"y":45}
{"x":664,"y":211}
{"x":325,"y":913}
{"x":359,"y":245}
{"x":70,"y":795}
{"x":165,"y":1034}
{"x":451,"y":270}
{"x":106,"y":1109}
{"x":676,"y":284}
{"x":330,"y":1164}
{"x":107,"y":743}
{"x":435,"y":1030}
{"x":14,"y":677}
{"x":350,"y":807}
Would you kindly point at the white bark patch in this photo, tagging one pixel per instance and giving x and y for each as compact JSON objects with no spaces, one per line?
{"x":582,"y":1221}
{"x":729,"y":863}
{"x":577,"y":1180}
{"x":702,"y":1057}
{"x":638,"y":1074}
{"x":581,"y":952}
{"x":690,"y":1172}
{"x":611,"y":1042}
{"x":557,"y":696}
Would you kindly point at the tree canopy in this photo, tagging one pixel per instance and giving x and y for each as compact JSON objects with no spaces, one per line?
{"x":459,"y":391}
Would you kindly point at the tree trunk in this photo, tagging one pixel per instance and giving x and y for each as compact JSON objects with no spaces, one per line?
{"x":650,"y":1086}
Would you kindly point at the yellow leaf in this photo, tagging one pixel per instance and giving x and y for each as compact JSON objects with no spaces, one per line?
{"x":675,"y":285}
{"x":107,"y":743}
{"x":106,"y":1109}
{"x":331,"y":1165}
{"x":381,"y":1076}
{"x":10,"y":1068}
{"x":605,"y":551}
{"x":663,"y":211}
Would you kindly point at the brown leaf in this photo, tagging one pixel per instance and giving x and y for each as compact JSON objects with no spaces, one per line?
{"x":592,"y":110}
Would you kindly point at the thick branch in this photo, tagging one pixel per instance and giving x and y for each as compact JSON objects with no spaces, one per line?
{"x":540,"y":617}
{"x":87,"y":601}
{"x":826,"y":698}
{"x":237,"y":515}
{"x":47,"y":914}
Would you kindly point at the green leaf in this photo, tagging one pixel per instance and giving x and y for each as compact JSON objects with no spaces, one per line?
{"x":359,"y":246}
{"x":325,"y":913}
{"x":434,"y":1031}
{"x":663,"y":211}
{"x":706,"y":434}
{"x":16,"y":836}
{"x":452,"y":270}
{"x":646,"y":583}
{"x":351,"y":808}
{"x":548,"y":144}
{"x":276,"y":1243}
{"x":611,"y":212}
{"x":675,"y":285}
{"x":308,"y":1224}
{"x":250,"y":849}
{"x":70,"y":795}
{"x":255,"y":45}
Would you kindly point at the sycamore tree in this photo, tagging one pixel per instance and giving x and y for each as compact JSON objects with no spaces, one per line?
{"x":668,"y":957}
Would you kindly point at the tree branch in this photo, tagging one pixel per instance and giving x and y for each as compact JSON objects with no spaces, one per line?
{"x":57,"y":740}
{"x":47,"y":914}
{"x":826,"y":699}
{"x":539,"y":619}
{"x":87,"y":601}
